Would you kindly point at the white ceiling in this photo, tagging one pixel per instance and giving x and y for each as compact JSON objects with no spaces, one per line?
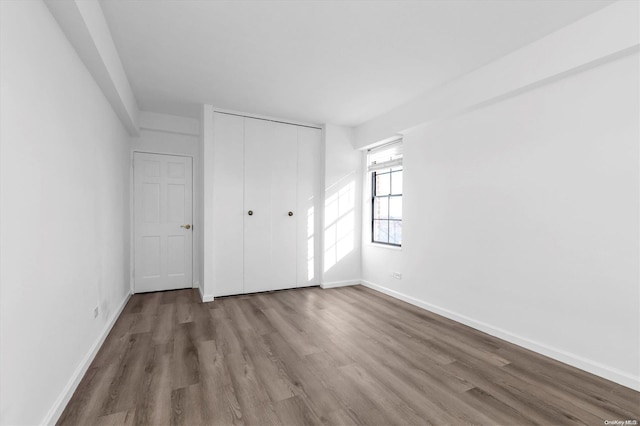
{"x":340,"y":62}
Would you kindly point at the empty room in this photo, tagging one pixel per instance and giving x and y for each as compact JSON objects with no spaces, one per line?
{"x":319,"y":212}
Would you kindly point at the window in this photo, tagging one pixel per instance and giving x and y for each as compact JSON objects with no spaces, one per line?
{"x":385,"y":166}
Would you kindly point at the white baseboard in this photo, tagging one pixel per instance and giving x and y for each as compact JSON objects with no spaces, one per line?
{"x":63,"y":399}
{"x":339,"y":284}
{"x":607,"y":372}
{"x":204,"y":297}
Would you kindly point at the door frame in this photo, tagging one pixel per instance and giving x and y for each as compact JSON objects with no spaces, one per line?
{"x":132,"y":229}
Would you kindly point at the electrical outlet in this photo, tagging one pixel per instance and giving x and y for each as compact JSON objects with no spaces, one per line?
{"x":96,"y":311}
{"x":396,"y":275}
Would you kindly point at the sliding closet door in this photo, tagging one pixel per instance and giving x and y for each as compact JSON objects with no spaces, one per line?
{"x":258,"y":138}
{"x":228,"y":205}
{"x":284,"y":208}
{"x":270,"y":168}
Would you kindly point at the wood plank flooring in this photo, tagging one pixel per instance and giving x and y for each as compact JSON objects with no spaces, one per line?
{"x":346,"y":356}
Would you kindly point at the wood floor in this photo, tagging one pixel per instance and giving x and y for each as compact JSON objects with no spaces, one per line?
{"x":343,"y":356}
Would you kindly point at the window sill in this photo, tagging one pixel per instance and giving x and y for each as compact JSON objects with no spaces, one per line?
{"x":384,"y":246}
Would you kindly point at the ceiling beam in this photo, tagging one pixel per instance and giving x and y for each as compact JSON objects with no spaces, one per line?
{"x":598,"y":38}
{"x":86,"y":29}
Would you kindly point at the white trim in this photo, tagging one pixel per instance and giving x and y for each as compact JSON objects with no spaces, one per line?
{"x":63,"y":399}
{"x":590,"y":366}
{"x":171,"y":154}
{"x":382,"y":246}
{"x":171,"y":132}
{"x":132,"y":239}
{"x":339,"y":284}
{"x":267,"y":117}
{"x":387,"y":141}
{"x":204,"y":297}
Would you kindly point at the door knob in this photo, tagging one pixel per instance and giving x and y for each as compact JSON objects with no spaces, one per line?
{"x":250,"y":212}
{"x":187,"y":226}
{"x":290,"y":213}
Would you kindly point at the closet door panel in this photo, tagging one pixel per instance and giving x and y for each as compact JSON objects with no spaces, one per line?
{"x":259,"y":139}
{"x":284,"y":170}
{"x":228,"y":211}
{"x":281,"y":190}
{"x":309,"y":207}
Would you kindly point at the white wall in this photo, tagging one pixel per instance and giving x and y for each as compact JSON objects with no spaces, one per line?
{"x":521,"y":219}
{"x":207,"y":212}
{"x":341,"y":219}
{"x":169,"y":134}
{"x":202,"y":223}
{"x":64,"y":214}
{"x":168,"y":123}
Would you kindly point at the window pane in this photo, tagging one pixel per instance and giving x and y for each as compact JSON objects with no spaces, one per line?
{"x":395,"y":207}
{"x":395,"y":232}
{"x":382,"y":184}
{"x":381,"y":208}
{"x":381,"y":231}
{"x":396,"y":183}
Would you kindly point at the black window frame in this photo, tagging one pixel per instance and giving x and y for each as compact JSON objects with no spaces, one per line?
{"x":374,"y":196}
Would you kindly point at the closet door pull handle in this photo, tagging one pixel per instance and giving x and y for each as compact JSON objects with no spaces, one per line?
{"x":290,"y":213}
{"x":250,"y":212}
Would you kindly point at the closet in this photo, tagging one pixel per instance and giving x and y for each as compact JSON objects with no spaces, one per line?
{"x":266,"y":194}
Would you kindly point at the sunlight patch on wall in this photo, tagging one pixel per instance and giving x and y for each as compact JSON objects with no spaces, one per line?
{"x":310,"y":242}
{"x":339,"y":232}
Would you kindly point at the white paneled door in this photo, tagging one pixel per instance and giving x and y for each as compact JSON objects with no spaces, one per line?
{"x":163,"y":231}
